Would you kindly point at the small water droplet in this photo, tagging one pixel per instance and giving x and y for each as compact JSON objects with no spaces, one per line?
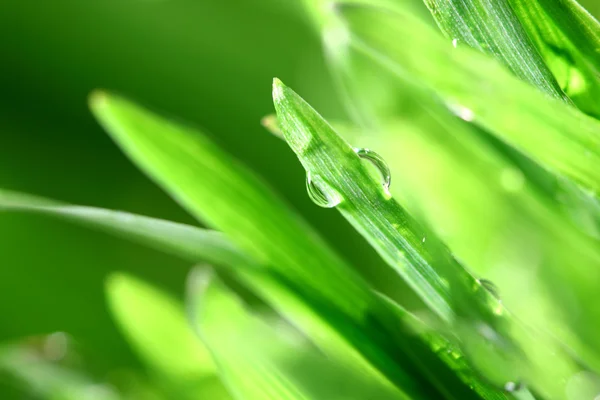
{"x":513,"y":386}
{"x":424,"y":238}
{"x":454,"y":42}
{"x":490,"y":287}
{"x":380,"y":164}
{"x":322,"y":198}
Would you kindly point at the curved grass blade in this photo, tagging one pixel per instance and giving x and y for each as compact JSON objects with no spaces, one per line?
{"x":493,"y":28}
{"x":556,"y":135}
{"x":426,"y":264}
{"x":181,"y":240}
{"x":567,"y":37}
{"x":271,"y":361}
{"x":220,"y":191}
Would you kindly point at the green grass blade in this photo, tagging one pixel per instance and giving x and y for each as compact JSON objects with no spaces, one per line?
{"x":567,"y":37}
{"x":156,"y":326}
{"x":556,"y":135}
{"x":185,"y":241}
{"x":337,"y":169}
{"x":426,"y":264}
{"x":221,"y":192}
{"x":260,"y":360}
{"x":493,"y":28}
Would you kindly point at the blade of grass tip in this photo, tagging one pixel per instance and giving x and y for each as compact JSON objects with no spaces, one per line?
{"x":416,"y":254}
{"x":260,"y":359}
{"x":155,"y":324}
{"x":567,"y":38}
{"x":559,"y":137}
{"x":493,"y":28}
{"x":218,"y":190}
{"x":181,"y":240}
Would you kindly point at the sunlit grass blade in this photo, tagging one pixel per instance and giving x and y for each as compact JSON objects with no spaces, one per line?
{"x":220,"y":191}
{"x":155,"y":325}
{"x":267,"y":359}
{"x":493,"y":28}
{"x":416,"y":254}
{"x":182,"y":240}
{"x":567,"y":37}
{"x":557,"y":135}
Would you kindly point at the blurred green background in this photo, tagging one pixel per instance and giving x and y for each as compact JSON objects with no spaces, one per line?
{"x":209,"y":62}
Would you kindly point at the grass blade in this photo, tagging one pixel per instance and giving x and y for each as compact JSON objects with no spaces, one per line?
{"x":494,"y":28}
{"x":156,"y":326}
{"x":221,"y":192}
{"x":269,"y":361}
{"x":181,"y":240}
{"x":559,"y":137}
{"x":567,"y":38}
{"x":426,"y":264}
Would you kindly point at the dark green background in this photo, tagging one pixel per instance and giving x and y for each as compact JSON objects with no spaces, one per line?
{"x":210,"y":62}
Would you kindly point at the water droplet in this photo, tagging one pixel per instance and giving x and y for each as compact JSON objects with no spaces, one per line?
{"x":424,"y":239}
{"x":380,"y":164}
{"x":512,"y":387}
{"x":322,"y":198}
{"x":455,"y":42}
{"x":490,"y":287}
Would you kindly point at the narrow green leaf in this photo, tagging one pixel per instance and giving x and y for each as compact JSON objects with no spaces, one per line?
{"x":568,"y":38}
{"x":268,"y":360}
{"x":493,"y":28}
{"x":156,"y":326}
{"x":338,"y":171}
{"x":556,"y":135}
{"x":185,"y":241}
{"x":416,"y":254}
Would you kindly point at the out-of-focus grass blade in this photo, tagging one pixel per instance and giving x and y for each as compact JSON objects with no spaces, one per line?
{"x":453,"y":175}
{"x":50,"y":381}
{"x":155,"y":325}
{"x":268,"y":360}
{"x":416,"y":254}
{"x":568,"y":38}
{"x":182,"y":240}
{"x":493,"y":27}
{"x":218,"y":190}
{"x":555,"y":134}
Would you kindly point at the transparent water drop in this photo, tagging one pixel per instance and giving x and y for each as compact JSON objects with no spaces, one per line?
{"x":381,"y":166}
{"x":322,"y":198}
{"x":454,"y":42}
{"x":490,"y":287}
{"x":512,"y":387}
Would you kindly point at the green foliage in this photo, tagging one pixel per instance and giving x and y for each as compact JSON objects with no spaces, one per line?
{"x":482,"y":197}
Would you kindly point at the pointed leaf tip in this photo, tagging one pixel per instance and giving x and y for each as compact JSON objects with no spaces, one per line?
{"x":277,"y":89}
{"x":98,"y":99}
